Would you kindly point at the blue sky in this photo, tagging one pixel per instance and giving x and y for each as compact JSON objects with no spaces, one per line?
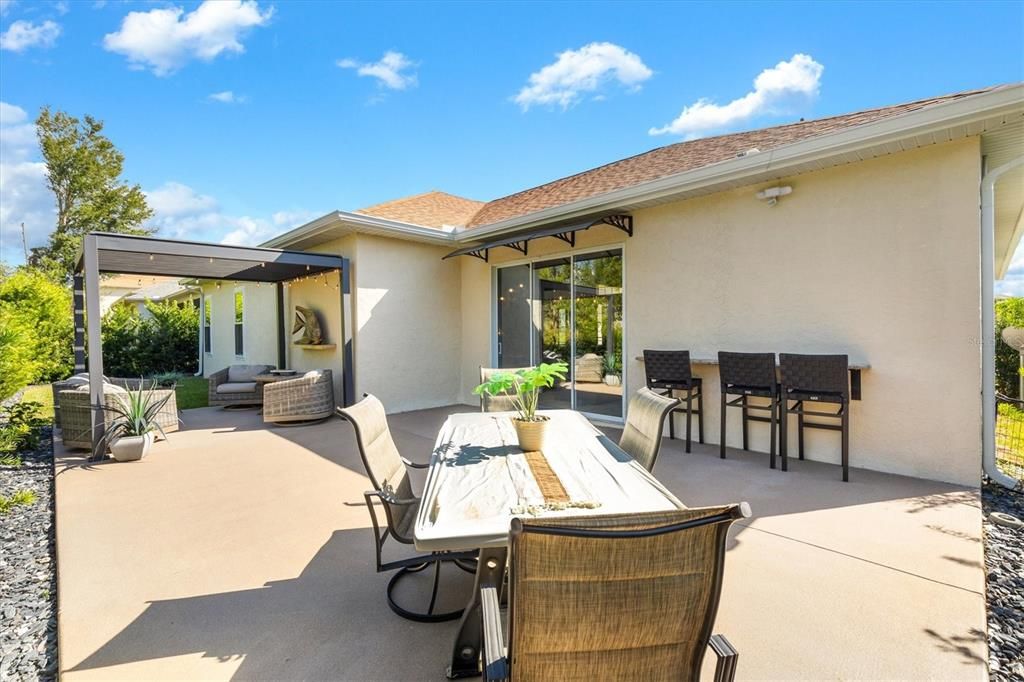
{"x":242,"y":119}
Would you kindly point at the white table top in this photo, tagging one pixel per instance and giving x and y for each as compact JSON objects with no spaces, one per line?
{"x":479,"y":479}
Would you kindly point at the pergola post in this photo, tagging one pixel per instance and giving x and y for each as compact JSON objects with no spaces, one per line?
{"x":282,"y":359}
{"x":348,"y":386}
{"x":91,"y":267}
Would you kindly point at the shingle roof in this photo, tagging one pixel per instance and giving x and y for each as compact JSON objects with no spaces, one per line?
{"x":430,"y":209}
{"x":680,"y":157}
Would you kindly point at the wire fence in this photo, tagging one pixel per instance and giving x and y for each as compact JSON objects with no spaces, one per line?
{"x":1010,"y":436}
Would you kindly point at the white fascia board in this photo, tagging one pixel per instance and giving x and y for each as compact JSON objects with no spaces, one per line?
{"x":341,"y":223}
{"x":1006,"y":99}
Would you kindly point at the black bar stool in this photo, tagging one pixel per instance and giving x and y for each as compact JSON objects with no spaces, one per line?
{"x":749,"y":375}
{"x":816,"y":379}
{"x":668,"y":371}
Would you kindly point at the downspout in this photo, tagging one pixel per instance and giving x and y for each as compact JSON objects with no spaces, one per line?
{"x":202,"y":308}
{"x":988,"y":325}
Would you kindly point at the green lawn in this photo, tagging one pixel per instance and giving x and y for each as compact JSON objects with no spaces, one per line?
{"x":191,"y":393}
{"x":40,"y":393}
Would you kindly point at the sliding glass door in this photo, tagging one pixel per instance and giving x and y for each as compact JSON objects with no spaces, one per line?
{"x":567,"y":309}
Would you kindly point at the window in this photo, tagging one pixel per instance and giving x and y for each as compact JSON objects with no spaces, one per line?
{"x":207,"y":334}
{"x":239,"y":307}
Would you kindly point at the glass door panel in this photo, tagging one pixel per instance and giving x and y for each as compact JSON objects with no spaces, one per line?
{"x":514,"y":316}
{"x":598,"y":332}
{"x":552,"y":292}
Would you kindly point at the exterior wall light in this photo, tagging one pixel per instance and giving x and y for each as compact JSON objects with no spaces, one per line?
{"x":771,"y":195}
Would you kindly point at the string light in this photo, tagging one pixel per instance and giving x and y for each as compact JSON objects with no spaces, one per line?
{"x":150,"y":256}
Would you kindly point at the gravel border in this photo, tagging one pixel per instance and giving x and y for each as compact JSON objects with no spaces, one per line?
{"x":1004,"y":566}
{"x":28,"y":570}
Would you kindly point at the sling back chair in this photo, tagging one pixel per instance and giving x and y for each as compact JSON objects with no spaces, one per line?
{"x":388,"y":472}
{"x":612,"y":597}
{"x":645,"y":423}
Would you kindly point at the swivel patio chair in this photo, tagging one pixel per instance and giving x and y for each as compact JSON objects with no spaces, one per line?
{"x":668,"y":371}
{"x":749,"y":375}
{"x":816,"y":379}
{"x":388,"y":472}
{"x":612,"y":597}
{"x":496,"y":403}
{"x":645,"y":423}
{"x":303,"y":400}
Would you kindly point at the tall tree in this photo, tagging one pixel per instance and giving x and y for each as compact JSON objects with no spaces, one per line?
{"x":83,"y":170}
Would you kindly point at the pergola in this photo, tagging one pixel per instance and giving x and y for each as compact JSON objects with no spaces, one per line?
{"x":140,"y":255}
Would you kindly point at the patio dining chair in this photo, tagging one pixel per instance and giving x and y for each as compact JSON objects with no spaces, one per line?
{"x":496,"y":403}
{"x":816,"y":379}
{"x":746,"y":376}
{"x":389,"y":473}
{"x":645,"y":422}
{"x":669,"y":371}
{"x":612,"y":597}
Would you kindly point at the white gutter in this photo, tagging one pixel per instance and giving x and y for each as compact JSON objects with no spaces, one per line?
{"x":988,"y":325}
{"x":1003,"y":100}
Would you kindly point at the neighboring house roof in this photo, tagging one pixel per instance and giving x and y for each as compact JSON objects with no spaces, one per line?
{"x":684,"y":156}
{"x":157,"y":292}
{"x":430,"y":209}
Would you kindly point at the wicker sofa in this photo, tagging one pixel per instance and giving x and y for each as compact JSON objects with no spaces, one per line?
{"x":306,"y":398}
{"x":237,"y":385}
{"x":76,"y":415}
{"x":79,"y":380}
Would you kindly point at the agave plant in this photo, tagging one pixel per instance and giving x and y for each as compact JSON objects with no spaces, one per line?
{"x":523,"y":386}
{"x":134,"y":414}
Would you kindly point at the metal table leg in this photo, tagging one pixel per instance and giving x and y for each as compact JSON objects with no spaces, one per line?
{"x":490,"y":570}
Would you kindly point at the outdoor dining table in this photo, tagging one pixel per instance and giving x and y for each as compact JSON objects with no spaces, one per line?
{"x":479,"y":479}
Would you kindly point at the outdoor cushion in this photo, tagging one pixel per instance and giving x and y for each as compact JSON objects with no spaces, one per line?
{"x":244,"y":373}
{"x":107,"y":388}
{"x":237,"y":387}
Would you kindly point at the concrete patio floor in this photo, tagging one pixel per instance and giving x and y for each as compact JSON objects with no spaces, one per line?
{"x":235,"y":551}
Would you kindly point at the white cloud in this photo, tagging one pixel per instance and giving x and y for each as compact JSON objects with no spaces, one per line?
{"x":5,"y":6}
{"x":1013,"y":283}
{"x":24,"y":197}
{"x":394,"y":70}
{"x":585,"y":70}
{"x":180,"y":212}
{"x":164,"y":39}
{"x":21,"y":35}
{"x":776,"y":90}
{"x":227,"y":97}
{"x":62,"y":7}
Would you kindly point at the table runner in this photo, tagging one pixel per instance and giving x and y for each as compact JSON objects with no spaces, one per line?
{"x":550,"y":485}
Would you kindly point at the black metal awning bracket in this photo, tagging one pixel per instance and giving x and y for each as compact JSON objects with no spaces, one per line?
{"x":623,"y":222}
{"x":520,"y":246}
{"x":479,"y":253}
{"x":567,"y":237}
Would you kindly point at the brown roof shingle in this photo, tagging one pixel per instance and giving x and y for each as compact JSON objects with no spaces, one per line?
{"x":680,"y":157}
{"x":430,"y":209}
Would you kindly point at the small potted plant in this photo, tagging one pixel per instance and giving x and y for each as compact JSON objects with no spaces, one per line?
{"x":523,"y":387}
{"x":612,"y":371}
{"x":129,"y":434}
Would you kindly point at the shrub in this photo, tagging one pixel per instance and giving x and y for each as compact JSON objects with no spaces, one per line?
{"x":17,"y":364}
{"x":41,"y":308}
{"x":165,"y":342}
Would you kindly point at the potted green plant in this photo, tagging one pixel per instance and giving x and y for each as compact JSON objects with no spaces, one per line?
{"x":612,"y":370}
{"x":524,"y":387}
{"x":129,"y":434}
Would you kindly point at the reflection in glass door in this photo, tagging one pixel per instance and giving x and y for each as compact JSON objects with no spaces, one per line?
{"x":567,"y":309}
{"x":597,"y":283}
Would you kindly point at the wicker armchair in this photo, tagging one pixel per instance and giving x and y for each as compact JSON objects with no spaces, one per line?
{"x":306,"y":398}
{"x":236,"y":385}
{"x":82,"y":379}
{"x":76,"y":415}
{"x":630,"y":596}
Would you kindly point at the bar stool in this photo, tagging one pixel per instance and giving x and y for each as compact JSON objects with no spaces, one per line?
{"x":668,"y":371}
{"x":818,"y":379}
{"x":748,"y":375}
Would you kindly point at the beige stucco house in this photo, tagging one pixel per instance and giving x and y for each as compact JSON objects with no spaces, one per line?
{"x":879,"y":236}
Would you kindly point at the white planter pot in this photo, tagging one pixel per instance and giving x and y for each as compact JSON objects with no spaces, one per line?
{"x":131,"y":448}
{"x":612,"y":379}
{"x":531,"y":434}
